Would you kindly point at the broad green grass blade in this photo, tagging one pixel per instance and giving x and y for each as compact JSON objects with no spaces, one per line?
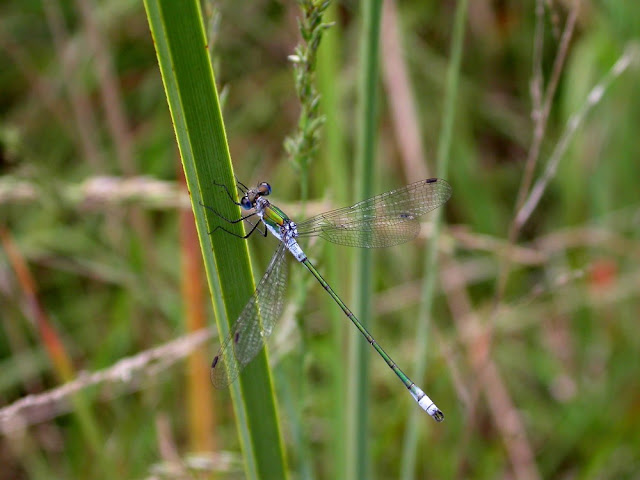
{"x":181,"y":46}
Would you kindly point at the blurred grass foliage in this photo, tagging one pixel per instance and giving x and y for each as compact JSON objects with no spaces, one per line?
{"x":539,"y":381}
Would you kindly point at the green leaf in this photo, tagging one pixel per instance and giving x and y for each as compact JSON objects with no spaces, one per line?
{"x":181,"y":46}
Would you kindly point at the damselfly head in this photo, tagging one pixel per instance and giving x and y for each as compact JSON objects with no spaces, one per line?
{"x":251,"y":196}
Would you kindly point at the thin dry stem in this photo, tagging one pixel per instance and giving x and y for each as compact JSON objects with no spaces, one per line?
{"x":100,"y":192}
{"x":542,"y":101}
{"x":128,"y":372}
{"x":593,"y":98}
{"x":541,"y":106}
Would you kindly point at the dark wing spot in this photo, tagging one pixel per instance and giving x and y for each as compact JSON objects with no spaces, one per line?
{"x":432,"y":180}
{"x":215,"y":361}
{"x":236,"y":338}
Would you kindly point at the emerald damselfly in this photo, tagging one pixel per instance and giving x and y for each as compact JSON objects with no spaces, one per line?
{"x":387,"y":219}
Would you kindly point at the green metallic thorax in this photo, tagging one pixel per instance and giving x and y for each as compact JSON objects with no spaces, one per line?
{"x":274,"y":217}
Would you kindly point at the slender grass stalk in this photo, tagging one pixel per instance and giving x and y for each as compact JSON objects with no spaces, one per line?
{"x":198,"y":392}
{"x":334,"y":156}
{"x":410,"y":448}
{"x":358,"y":382}
{"x":180,"y":41}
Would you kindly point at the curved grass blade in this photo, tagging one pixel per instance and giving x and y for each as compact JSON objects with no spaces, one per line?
{"x":189,"y":81}
{"x":381,"y":221}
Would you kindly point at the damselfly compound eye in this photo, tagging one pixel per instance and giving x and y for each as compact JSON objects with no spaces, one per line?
{"x":246,"y":203}
{"x":264,"y":188}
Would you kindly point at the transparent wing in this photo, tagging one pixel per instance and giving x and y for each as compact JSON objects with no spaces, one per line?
{"x":254,"y":324}
{"x":381,"y":221}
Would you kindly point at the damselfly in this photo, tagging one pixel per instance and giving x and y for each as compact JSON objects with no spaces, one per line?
{"x":387,"y":219}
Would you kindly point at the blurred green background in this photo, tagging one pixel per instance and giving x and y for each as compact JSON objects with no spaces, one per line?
{"x":537,"y":370}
